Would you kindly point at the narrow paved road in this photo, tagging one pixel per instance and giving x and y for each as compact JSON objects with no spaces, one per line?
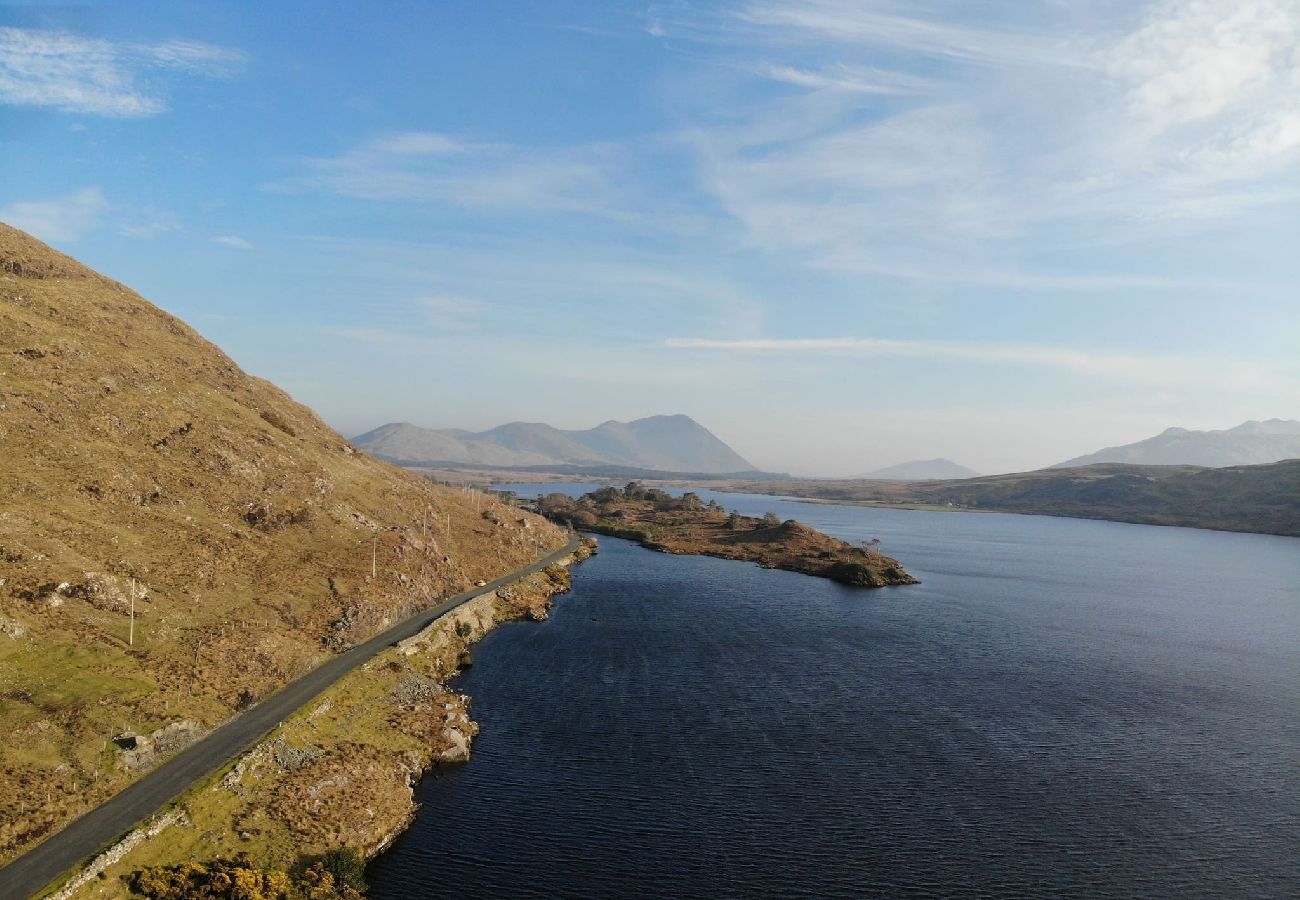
{"x":78,"y":842}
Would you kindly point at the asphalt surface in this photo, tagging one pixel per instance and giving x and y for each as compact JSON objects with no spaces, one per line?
{"x":84,"y":838}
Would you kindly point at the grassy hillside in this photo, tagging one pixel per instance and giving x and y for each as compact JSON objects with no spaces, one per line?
{"x":1240,"y":498}
{"x":131,"y":448}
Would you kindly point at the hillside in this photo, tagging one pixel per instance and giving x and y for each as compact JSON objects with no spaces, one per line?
{"x":1250,"y":443}
{"x":666,"y":443}
{"x":131,"y":448}
{"x":922,"y":470}
{"x":1262,"y":499}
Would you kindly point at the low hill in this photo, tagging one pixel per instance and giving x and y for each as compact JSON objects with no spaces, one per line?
{"x":664,"y":443}
{"x":1250,"y":443}
{"x":922,"y":470}
{"x":1263,"y":498}
{"x":136,"y":455}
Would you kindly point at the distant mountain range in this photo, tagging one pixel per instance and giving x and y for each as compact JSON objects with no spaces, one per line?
{"x":663,"y":443}
{"x":1250,"y":443}
{"x":921,"y":470}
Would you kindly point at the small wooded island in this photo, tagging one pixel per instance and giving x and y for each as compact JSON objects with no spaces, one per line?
{"x":689,"y":525}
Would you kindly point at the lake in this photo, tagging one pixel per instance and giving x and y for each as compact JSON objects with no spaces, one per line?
{"x":1063,"y":707}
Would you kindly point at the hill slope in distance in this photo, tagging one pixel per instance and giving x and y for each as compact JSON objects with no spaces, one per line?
{"x":1263,"y":498}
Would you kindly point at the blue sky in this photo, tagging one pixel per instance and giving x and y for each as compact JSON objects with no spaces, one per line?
{"x":840,"y":234}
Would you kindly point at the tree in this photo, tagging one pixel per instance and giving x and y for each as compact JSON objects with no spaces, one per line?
{"x":771,"y":520}
{"x":554,"y":505}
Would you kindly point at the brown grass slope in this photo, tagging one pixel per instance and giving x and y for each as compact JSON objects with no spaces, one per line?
{"x":130,"y":447}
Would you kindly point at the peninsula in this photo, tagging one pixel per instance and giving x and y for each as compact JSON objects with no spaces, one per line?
{"x":689,"y":525}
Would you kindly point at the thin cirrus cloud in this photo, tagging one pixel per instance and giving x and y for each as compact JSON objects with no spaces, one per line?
{"x":78,"y":74}
{"x":452,"y":312}
{"x":885,"y":25}
{"x":235,"y":242}
{"x":1127,"y":368}
{"x":430,"y":167}
{"x":852,"y":79}
{"x":1150,"y":117}
{"x":58,"y":219}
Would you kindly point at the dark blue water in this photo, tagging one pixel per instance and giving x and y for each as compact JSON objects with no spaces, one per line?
{"x":1063,"y":708}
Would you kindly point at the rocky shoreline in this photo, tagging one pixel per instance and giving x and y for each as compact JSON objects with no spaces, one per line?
{"x":689,"y":525}
{"x":342,"y":773}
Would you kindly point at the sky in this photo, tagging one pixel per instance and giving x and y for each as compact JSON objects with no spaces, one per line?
{"x":841,"y":234}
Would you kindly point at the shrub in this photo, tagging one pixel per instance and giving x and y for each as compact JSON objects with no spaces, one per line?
{"x":221,"y":879}
{"x":342,"y":870}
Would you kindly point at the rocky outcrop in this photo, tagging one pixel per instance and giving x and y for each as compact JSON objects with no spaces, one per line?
{"x":687,"y":525}
{"x":143,"y":751}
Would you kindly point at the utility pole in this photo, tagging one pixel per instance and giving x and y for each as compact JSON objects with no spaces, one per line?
{"x":130,"y":639}
{"x":374,"y":556}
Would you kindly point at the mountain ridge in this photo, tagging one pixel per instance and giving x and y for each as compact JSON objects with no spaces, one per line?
{"x":921,"y":470}
{"x":1253,"y":442}
{"x":1261,"y":498}
{"x":664,"y":442}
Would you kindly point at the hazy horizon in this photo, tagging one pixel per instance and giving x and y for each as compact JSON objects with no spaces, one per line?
{"x":840,"y":235}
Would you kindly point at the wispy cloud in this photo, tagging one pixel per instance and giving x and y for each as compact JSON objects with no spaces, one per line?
{"x":429,"y":167}
{"x":59,"y":219}
{"x":875,"y":24}
{"x":150,"y":223}
{"x":1172,"y":115}
{"x":451,"y":312}
{"x":1128,"y":368}
{"x":233,"y":241}
{"x":370,"y":335}
{"x":74,"y":73}
{"x":850,"y":79}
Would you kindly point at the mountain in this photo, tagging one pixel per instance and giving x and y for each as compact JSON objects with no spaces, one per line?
{"x":137,"y":458}
{"x":921,"y":470}
{"x":1264,"y":498}
{"x":665,"y":443}
{"x":1250,"y":443}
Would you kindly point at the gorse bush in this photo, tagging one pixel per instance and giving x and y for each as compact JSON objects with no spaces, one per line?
{"x":336,"y":875}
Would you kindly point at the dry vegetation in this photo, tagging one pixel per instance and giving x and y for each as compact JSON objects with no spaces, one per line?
{"x":687,"y":524}
{"x":340,"y":774}
{"x":131,"y":448}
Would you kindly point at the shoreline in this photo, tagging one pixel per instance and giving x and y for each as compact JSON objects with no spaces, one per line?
{"x":341,"y":771}
{"x":686,"y":525}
